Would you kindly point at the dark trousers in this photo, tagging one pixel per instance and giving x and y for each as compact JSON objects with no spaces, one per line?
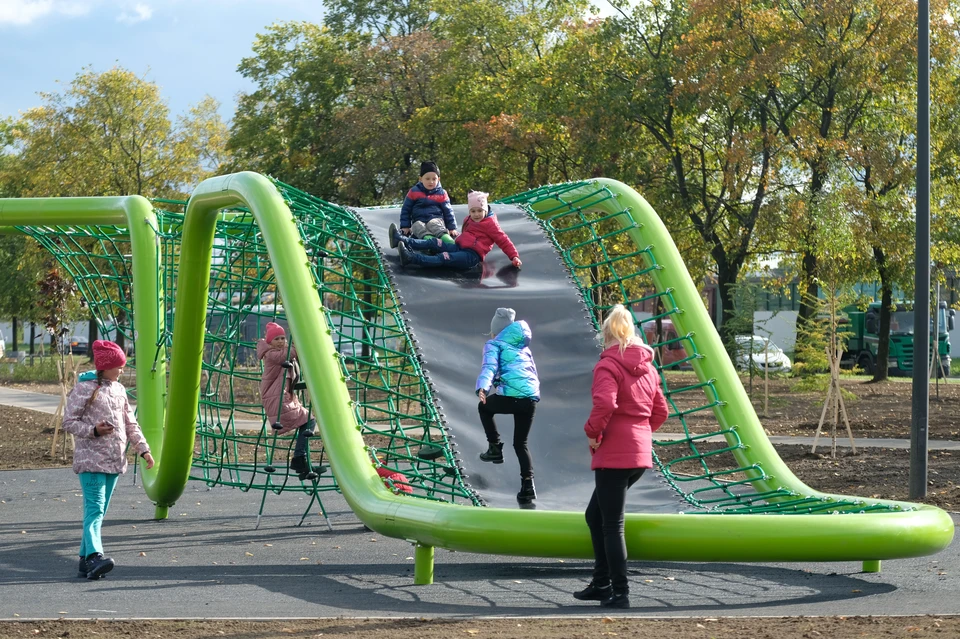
{"x":605,"y":518}
{"x":449,"y":255}
{"x":522,"y":409}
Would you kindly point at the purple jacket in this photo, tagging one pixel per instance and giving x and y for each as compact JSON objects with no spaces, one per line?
{"x":107,"y":453}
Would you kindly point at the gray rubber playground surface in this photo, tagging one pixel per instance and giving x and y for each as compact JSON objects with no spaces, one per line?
{"x":207,"y":560}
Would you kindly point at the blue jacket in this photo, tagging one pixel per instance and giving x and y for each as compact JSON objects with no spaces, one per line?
{"x":508,"y":364}
{"x":422,"y":205}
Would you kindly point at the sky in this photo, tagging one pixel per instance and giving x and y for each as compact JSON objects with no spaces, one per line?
{"x":190,"y":48}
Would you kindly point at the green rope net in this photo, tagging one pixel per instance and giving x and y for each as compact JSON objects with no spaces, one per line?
{"x":236,"y":444}
{"x":609,"y":268}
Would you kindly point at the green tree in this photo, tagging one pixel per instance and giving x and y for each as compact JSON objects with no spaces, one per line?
{"x":110,"y":134}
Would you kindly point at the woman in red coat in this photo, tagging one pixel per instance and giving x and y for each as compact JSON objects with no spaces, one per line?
{"x":628,"y":405}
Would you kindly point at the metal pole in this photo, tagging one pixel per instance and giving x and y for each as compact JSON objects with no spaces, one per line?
{"x":921,"y":302}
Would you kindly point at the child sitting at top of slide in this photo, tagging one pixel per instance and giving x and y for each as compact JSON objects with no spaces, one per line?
{"x":426,"y":211}
{"x":481,"y":231}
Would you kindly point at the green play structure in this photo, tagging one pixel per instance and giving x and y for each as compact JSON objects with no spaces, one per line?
{"x":204,"y":276}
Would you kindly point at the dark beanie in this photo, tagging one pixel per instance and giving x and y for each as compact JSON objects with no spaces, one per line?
{"x":429,"y":167}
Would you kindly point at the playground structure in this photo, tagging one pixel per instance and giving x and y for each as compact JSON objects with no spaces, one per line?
{"x":243,"y":236}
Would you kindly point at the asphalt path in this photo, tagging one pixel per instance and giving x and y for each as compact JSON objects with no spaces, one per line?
{"x":209,"y":560}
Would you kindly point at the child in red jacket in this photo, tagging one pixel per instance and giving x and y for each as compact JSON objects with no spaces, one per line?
{"x":480,"y":231}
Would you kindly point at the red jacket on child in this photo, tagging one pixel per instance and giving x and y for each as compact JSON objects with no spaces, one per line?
{"x":481,"y":236}
{"x":628,"y":405}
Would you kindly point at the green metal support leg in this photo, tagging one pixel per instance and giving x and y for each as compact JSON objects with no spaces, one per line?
{"x":423,"y":565}
{"x":871,"y":565}
{"x":161,"y":512}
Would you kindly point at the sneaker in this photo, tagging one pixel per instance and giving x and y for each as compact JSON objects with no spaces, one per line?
{"x":616,"y":600}
{"x":394,"y":236}
{"x":594,"y":592}
{"x":83,"y":569}
{"x":98,"y":566}
{"x":527,"y":491}
{"x":493,"y":454}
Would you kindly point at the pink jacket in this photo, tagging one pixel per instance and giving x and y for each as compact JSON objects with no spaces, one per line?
{"x":481,"y":236}
{"x":628,"y":406}
{"x":293,"y":413}
{"x":107,"y":453}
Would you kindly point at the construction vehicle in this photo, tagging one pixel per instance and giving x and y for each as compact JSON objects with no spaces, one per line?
{"x":863,"y":327}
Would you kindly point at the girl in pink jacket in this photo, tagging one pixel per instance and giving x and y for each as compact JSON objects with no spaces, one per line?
{"x":280,"y":404}
{"x":101,"y":420}
{"x":628,"y":406}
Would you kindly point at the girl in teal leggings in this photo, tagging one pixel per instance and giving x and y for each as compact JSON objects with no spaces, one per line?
{"x":101,"y":420}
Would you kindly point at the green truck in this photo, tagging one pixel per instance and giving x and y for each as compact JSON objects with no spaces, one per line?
{"x":863,"y":328}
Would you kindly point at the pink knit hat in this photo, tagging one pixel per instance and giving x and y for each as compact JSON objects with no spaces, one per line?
{"x":477,"y":199}
{"x":273,"y":332}
{"x":107,"y":355}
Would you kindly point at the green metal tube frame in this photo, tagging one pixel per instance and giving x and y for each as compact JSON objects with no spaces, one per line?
{"x":136,"y":214}
{"x":677,"y":537}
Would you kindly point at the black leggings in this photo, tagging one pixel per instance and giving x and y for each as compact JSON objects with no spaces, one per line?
{"x":605,"y":518}
{"x":522,"y":409}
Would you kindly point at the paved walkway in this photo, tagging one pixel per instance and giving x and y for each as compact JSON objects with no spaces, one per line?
{"x":48,"y":404}
{"x":209,"y":560}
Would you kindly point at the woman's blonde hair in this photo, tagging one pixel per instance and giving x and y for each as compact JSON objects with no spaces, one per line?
{"x":619,"y":327}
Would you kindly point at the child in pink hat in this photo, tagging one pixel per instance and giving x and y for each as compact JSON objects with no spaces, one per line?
{"x":479,"y":232}
{"x":280,"y":404}
{"x":101,"y":420}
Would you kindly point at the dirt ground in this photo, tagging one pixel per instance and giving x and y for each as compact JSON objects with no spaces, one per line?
{"x":875,"y":410}
{"x":706,"y":628}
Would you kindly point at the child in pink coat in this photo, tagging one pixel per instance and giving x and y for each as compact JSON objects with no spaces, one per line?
{"x":628,"y":406}
{"x":280,"y":404}
{"x":101,"y":420}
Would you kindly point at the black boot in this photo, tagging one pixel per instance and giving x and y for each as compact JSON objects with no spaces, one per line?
{"x":594,"y":592}
{"x":301,"y":466}
{"x":616,"y":600}
{"x":84,"y":568}
{"x":405,"y":255}
{"x":527,"y":492}
{"x":494,"y":454}
{"x":98,"y":566}
{"x":394,"y":234}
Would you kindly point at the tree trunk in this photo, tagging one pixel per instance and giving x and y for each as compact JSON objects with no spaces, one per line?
{"x":33,"y":340}
{"x":91,"y":337}
{"x":882,"y":365}
{"x":121,"y":321}
{"x":809,"y":294}
{"x":13,"y":338}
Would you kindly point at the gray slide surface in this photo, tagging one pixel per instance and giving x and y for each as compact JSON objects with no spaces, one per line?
{"x":449,"y":313}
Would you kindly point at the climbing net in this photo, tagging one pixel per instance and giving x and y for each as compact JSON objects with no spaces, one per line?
{"x":609,"y":268}
{"x":236,"y":443}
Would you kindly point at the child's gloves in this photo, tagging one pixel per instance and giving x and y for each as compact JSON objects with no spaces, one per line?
{"x":516,"y":262}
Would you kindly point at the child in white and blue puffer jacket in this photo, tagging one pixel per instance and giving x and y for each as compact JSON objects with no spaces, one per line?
{"x":508,"y":370}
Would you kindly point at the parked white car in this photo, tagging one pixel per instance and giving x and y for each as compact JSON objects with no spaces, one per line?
{"x":763,"y":352}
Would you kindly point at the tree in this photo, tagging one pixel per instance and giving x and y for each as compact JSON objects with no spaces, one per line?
{"x":110,"y":134}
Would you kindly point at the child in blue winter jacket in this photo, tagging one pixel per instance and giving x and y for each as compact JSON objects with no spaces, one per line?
{"x":426,"y":211}
{"x":509,"y":369}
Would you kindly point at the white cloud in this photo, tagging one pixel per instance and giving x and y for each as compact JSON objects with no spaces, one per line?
{"x":138,"y":13}
{"x":23,"y":12}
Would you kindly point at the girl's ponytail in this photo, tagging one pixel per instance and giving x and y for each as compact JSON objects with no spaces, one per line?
{"x":96,"y":391}
{"x":619,"y":327}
